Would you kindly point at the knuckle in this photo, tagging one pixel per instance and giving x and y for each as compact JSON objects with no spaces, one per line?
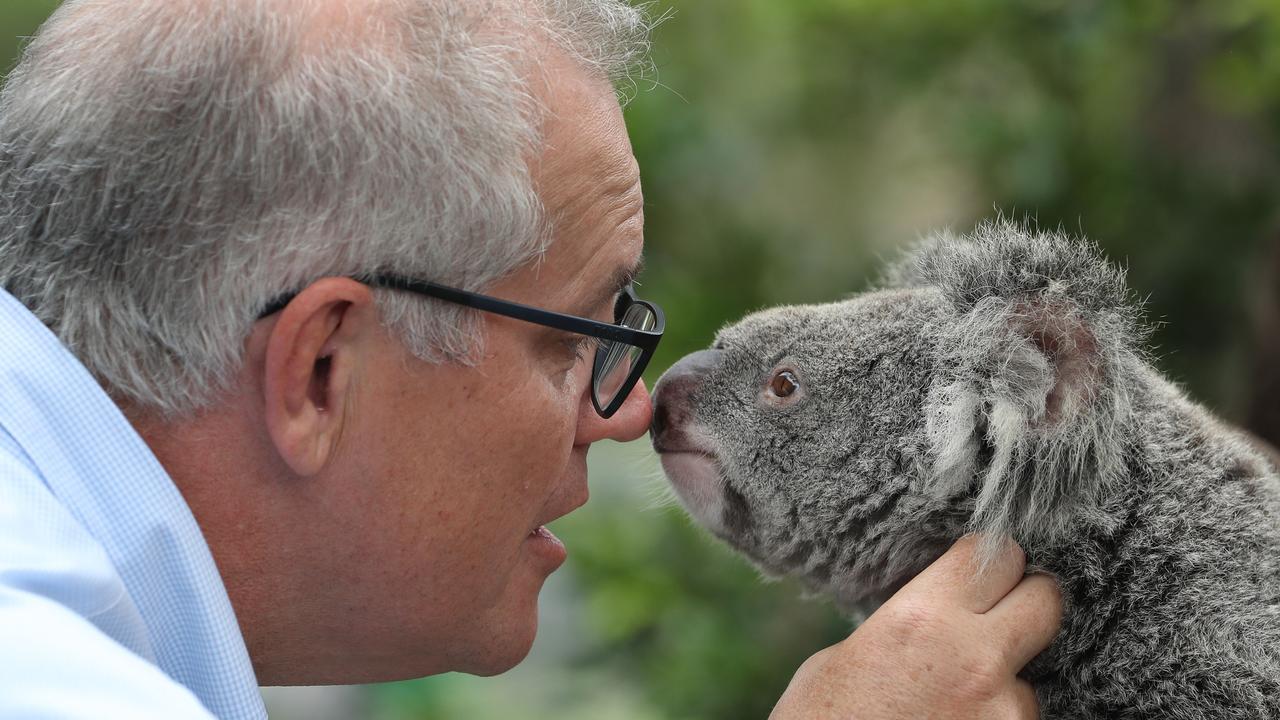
{"x":980,"y":676}
{"x":815,"y":664}
{"x":817,"y":660}
{"x":906,"y":622}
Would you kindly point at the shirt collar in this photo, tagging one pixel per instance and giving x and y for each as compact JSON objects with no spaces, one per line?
{"x":101,"y":470}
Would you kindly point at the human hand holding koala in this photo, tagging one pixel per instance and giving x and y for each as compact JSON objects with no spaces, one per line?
{"x":947,"y":646}
{"x":997,"y":384}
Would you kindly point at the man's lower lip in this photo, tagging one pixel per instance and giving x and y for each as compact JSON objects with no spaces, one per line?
{"x":547,"y":546}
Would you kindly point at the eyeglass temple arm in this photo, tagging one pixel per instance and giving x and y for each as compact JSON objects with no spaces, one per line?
{"x":560,"y":321}
{"x":506,"y":308}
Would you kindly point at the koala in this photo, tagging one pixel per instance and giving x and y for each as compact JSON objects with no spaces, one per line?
{"x":996,"y":382}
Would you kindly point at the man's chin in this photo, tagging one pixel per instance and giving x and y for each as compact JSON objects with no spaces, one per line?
{"x":500,"y":653}
{"x":491,"y":650}
{"x":490,"y":634}
{"x":499,"y":664}
{"x":504,"y":639}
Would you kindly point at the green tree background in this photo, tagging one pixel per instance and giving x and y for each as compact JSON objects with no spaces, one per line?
{"x":787,"y":149}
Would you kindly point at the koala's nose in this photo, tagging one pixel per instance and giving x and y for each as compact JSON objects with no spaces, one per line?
{"x":671,"y":398}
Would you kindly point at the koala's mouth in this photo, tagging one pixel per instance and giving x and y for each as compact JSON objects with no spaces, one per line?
{"x":692,"y":470}
{"x":705,"y":490}
{"x":687,"y":448}
{"x":697,"y":478}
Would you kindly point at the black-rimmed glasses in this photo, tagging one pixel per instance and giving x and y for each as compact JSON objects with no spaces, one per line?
{"x":622,"y":354}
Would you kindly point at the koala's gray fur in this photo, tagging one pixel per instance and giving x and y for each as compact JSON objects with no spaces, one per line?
{"x":998,"y":383}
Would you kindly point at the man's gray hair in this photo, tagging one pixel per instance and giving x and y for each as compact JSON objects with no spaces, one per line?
{"x":167,"y":167}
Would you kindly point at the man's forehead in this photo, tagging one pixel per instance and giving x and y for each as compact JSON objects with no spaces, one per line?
{"x":597,"y":279}
{"x":586,"y":152}
{"x":581,"y":122}
{"x":589,"y":183}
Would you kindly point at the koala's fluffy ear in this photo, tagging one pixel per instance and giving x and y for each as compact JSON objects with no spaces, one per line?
{"x":1038,"y":339}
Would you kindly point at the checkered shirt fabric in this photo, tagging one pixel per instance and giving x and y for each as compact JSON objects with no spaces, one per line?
{"x":110,"y":603}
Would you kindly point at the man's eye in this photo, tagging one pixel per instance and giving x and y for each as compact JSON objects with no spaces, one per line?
{"x":581,"y":346}
{"x":620,"y":303}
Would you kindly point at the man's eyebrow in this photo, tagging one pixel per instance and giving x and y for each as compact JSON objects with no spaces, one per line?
{"x":613,"y":286}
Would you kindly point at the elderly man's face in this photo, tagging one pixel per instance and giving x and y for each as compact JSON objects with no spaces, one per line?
{"x":453,"y":469}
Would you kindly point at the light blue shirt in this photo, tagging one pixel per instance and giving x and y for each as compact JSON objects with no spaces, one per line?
{"x":110,"y":603}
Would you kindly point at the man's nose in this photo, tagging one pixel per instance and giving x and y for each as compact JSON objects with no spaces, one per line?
{"x":629,"y":422}
{"x":672,"y":394}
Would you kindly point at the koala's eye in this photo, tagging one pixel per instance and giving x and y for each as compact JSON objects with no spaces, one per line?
{"x":784,"y":383}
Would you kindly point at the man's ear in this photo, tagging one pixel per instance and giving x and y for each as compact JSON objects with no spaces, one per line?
{"x":314,"y":352}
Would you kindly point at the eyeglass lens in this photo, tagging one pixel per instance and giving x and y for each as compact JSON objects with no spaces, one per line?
{"x":619,"y":358}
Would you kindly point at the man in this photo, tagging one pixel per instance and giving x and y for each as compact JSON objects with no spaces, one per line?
{"x":250,"y":432}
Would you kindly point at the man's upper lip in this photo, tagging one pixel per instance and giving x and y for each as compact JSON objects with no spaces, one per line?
{"x":577,"y":503}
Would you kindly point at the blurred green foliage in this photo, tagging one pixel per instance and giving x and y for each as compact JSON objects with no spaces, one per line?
{"x":19,"y":20}
{"x":810,"y":139}
{"x":787,"y":149}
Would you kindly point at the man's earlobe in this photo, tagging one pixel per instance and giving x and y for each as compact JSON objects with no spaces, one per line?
{"x":314,"y":350}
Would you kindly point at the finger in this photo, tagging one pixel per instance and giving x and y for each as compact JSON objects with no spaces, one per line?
{"x":960,"y":576}
{"x":1027,"y":619}
{"x":1025,"y":705}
